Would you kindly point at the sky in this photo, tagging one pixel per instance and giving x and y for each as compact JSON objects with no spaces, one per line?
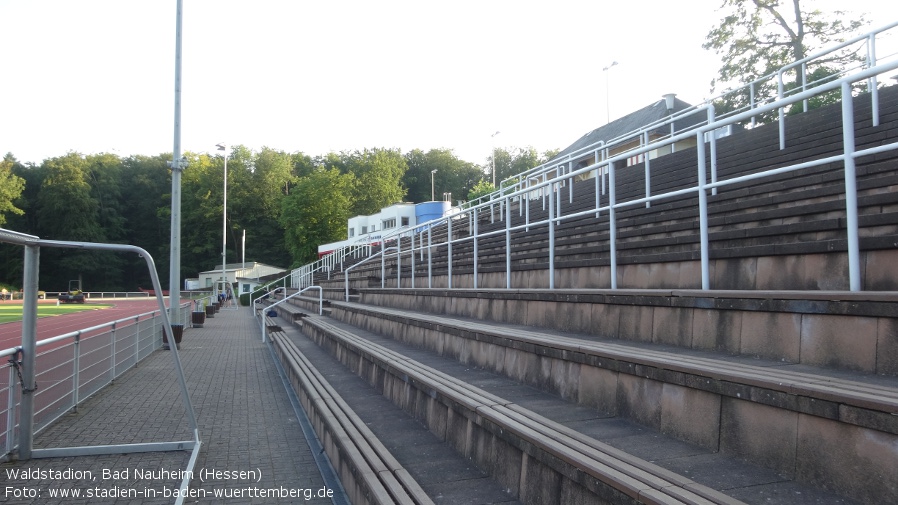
{"x":315,"y":76}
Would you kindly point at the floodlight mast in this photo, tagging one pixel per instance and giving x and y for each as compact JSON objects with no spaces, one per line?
{"x":178,"y":164}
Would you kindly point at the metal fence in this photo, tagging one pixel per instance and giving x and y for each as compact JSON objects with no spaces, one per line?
{"x":546,"y":182}
{"x":548,"y":187}
{"x":69,"y":368}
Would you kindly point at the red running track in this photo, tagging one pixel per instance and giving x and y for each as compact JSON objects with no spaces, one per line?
{"x":47,"y":327}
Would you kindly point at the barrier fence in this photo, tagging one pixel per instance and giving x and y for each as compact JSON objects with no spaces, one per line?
{"x":69,"y":368}
{"x":767,"y":98}
{"x":547,"y":184}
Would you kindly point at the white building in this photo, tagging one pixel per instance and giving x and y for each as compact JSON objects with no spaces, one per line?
{"x":370,"y":229}
{"x":245,"y":276}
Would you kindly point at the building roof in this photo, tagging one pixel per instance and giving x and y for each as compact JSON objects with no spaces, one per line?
{"x":249,"y":266}
{"x":633,"y":122}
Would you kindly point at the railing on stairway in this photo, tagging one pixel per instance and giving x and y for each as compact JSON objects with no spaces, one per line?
{"x":305,"y":275}
{"x":546,"y":181}
{"x":264,"y":327}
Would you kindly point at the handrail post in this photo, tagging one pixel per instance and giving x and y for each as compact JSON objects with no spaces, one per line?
{"x":508,"y":246}
{"x":713,"y":142}
{"x":851,"y":218}
{"x":476,"y":231}
{"x":449,"y":253}
{"x":782,"y":110}
{"x":11,"y":411}
{"x":703,"y":214}
{"x":648,"y":169}
{"x":598,"y":175}
{"x":29,"y":348}
{"x":612,"y":223}
{"x":112,"y":378}
{"x":76,"y":377}
{"x":430,"y":257}
{"x":872,"y":84}
{"x":552,"y":236}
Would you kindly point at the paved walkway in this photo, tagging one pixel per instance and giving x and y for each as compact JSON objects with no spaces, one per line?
{"x":249,"y":430}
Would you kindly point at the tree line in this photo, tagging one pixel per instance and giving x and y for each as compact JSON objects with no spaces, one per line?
{"x":288,"y":203}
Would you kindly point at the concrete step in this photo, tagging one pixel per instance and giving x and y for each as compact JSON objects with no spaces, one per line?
{"x":443,"y":475}
{"x":504,"y":404}
{"x":724,"y":403}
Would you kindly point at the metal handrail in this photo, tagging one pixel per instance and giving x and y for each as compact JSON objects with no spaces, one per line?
{"x":32,"y":246}
{"x":275,"y":304}
{"x":548,"y":187}
{"x":114,"y":328}
{"x":602,"y":144}
{"x":369,"y":258}
{"x":327,"y":262}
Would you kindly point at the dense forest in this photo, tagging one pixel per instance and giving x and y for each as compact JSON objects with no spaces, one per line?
{"x":287,"y":203}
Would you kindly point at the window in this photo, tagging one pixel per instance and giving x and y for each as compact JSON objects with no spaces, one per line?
{"x":405,"y":221}
{"x":351,"y":232}
{"x":245,"y":288}
{"x":208,"y":282}
{"x":389,"y":223}
{"x":364,"y":230}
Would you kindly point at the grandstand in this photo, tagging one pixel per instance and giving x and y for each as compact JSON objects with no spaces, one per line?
{"x":716,"y":325}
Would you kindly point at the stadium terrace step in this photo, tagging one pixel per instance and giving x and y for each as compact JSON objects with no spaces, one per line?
{"x":368,"y":471}
{"x":494,"y":432}
{"x":717,"y":402}
{"x":537,"y":445}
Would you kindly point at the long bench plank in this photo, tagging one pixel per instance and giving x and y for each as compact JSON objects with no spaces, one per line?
{"x":394,"y":484}
{"x":857,"y":394}
{"x":635,"y":477}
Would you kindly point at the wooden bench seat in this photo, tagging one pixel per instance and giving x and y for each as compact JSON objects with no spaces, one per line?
{"x":376,"y":477}
{"x":808,"y":393}
{"x":594,"y":461}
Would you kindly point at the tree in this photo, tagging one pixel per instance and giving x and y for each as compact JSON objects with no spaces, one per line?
{"x":316,"y":212}
{"x":11,"y":187}
{"x":67,"y":210}
{"x":758,"y":37}
{"x":453,"y":176}
{"x":514,"y":161}
{"x":259,"y":208}
{"x":146,"y":187}
{"x":378,"y":174}
{"x":482,"y":188}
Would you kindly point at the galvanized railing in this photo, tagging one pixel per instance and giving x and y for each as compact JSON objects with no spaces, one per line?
{"x":865,"y":46}
{"x":264,"y":327}
{"x":548,"y":189}
{"x":69,"y":368}
{"x":304,"y":276}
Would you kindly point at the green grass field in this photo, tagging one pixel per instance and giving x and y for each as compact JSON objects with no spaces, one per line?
{"x":10,"y":312}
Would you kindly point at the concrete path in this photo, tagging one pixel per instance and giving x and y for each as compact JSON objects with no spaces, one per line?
{"x":253,"y":446}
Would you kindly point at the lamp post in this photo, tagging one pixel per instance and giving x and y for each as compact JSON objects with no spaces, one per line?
{"x":493,"y":136}
{"x":178,"y":163}
{"x":608,"y":93}
{"x":224,"y":221}
{"x":431,"y":184}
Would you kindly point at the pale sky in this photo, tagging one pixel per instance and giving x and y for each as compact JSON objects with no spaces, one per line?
{"x":318,"y":76}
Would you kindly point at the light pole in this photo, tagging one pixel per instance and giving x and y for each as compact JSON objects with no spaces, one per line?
{"x":608,"y":93}
{"x":431,"y":184}
{"x":178,"y":163}
{"x":493,"y":136}
{"x":224,"y":221}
